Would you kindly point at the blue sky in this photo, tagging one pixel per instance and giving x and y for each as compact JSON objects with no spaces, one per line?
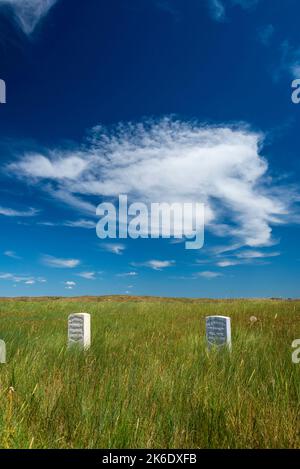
{"x":164,"y":100}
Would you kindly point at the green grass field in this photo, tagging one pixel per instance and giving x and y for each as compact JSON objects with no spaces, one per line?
{"x":148,"y":381}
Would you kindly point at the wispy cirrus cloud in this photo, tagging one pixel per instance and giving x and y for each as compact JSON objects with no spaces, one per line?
{"x":218,"y":7}
{"x":127,"y":274}
{"x":57,"y":262}
{"x":256,"y":254}
{"x":209,"y":275}
{"x":27,"y":13}
{"x":171,"y":161}
{"x":30,"y":282}
{"x":62,"y":194}
{"x":155,"y":264}
{"x":81,"y":223}
{"x":227,"y":263}
{"x":86,"y":224}
{"x":246,"y":257}
{"x":11,"y":212}
{"x":289,"y":60}
{"x":88,"y":275}
{"x":19,"y":278}
{"x":12,"y":255}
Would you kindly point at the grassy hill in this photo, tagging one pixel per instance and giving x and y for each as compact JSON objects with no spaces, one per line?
{"x":148,"y":380}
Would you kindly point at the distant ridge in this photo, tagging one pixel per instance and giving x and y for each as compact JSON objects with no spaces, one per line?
{"x":128,"y":298}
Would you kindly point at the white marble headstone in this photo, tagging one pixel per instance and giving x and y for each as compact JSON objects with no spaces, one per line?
{"x":79,"y":330}
{"x":218,"y":331}
{"x":2,"y":352}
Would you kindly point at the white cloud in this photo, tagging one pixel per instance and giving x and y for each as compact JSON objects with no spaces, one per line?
{"x":172,"y":161}
{"x":65,"y":197}
{"x":128,"y":274}
{"x":10,"y":212}
{"x":81,"y":223}
{"x":12,"y":254}
{"x":157,"y":264}
{"x":47,"y":223}
{"x":6,"y":276}
{"x":88,"y":224}
{"x":69,"y":285}
{"x":20,"y":278}
{"x":231,"y":257}
{"x":28,"y":12}
{"x":209,"y":275}
{"x":51,"y":261}
{"x":218,"y":11}
{"x":51,"y":167}
{"x":256,"y":254}
{"x":289,"y":61}
{"x":87,"y":275}
{"x":114,"y":248}
{"x":16,"y":278}
{"x":41,"y":280}
{"x":227,"y":263}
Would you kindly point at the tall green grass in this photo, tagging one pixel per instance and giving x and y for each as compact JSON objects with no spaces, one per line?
{"x":148,"y":380}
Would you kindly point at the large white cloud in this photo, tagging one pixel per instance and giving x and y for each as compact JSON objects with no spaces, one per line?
{"x":29,"y":12}
{"x":171,"y":161}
